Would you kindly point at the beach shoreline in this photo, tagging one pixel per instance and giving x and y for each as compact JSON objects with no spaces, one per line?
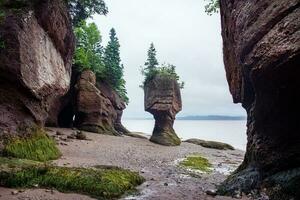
{"x":157,"y":164}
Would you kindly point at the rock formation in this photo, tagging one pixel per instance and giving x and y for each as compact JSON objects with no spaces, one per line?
{"x":62,"y":111}
{"x":118,"y":104}
{"x":36,"y":50}
{"x":98,"y":107}
{"x":163,"y":101}
{"x":262,"y":55}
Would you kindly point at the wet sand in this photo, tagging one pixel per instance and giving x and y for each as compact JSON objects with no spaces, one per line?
{"x":165,"y":180}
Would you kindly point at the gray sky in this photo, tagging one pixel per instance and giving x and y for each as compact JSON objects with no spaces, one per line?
{"x":184,"y":36}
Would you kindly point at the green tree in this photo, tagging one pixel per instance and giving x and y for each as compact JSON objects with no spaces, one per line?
{"x":84,"y":9}
{"x":88,"y":53}
{"x":114,"y":70}
{"x":212,"y":7}
{"x":152,"y":62}
{"x":150,"y":66}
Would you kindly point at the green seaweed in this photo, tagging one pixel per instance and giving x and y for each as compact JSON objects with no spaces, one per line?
{"x":36,"y":145}
{"x":102,"y":183}
{"x":196,"y":162}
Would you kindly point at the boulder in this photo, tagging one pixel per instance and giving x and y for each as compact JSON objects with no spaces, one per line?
{"x":36,"y":50}
{"x":262,"y":55}
{"x":163,"y":101}
{"x":94,"y":111}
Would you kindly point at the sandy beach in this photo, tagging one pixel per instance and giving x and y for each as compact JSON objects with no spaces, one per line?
{"x":165,"y":180}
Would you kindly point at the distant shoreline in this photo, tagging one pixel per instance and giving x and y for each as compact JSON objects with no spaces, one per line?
{"x":202,"y":118}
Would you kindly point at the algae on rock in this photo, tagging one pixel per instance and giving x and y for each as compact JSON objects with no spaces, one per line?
{"x":102,"y":183}
{"x":35,"y":145}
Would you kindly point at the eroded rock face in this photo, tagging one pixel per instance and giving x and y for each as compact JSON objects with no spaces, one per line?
{"x":118,"y":104}
{"x":94,"y":111}
{"x":35,"y":55}
{"x":163,"y":101}
{"x":262,"y":56}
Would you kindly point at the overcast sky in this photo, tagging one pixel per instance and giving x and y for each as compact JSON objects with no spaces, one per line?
{"x":184,"y":36}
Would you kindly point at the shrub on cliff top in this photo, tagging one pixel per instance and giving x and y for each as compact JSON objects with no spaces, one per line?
{"x":102,"y":183}
{"x":151,"y":68}
{"x":35,"y":146}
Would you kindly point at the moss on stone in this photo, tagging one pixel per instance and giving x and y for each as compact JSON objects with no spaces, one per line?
{"x":36,"y":145}
{"x":102,"y":183}
{"x":105,"y":129}
{"x":210,"y":144}
{"x":196,"y":162}
{"x":166,"y":138}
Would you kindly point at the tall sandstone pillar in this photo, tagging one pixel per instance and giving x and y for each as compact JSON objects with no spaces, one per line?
{"x":163,"y":101}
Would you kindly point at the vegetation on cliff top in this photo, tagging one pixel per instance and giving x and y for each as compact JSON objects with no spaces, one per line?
{"x":151,"y":68}
{"x":104,"y":62}
{"x":36,"y":146}
{"x":212,"y":7}
{"x":102,"y":183}
{"x":83,"y":9}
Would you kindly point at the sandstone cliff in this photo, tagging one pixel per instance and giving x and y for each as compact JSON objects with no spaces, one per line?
{"x":89,"y":105}
{"x":94,"y":110}
{"x":163,"y":101}
{"x":262,"y":55}
{"x":37,"y":45}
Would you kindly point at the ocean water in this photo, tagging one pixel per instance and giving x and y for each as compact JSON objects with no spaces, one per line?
{"x":231,"y":132}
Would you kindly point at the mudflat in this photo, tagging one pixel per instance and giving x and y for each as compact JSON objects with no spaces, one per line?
{"x":165,"y":178}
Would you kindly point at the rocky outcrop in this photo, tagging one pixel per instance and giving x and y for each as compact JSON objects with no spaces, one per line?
{"x":118,"y":104}
{"x":95,"y":107}
{"x":36,"y":51}
{"x":262,"y":56}
{"x":62,"y":111}
{"x":163,"y":101}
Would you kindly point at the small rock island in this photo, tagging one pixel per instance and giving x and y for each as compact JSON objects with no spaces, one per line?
{"x":163,"y":101}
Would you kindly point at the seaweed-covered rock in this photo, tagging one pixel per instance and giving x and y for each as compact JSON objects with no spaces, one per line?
{"x":163,"y":101}
{"x":210,"y":144}
{"x":37,"y":45}
{"x":262,"y":55}
{"x":94,"y":111}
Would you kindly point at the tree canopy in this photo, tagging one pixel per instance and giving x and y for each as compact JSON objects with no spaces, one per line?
{"x":114,"y":69}
{"x":212,"y":7}
{"x":83,"y":9}
{"x":105,"y":63}
{"x":151,"y":60}
{"x":88,"y":53}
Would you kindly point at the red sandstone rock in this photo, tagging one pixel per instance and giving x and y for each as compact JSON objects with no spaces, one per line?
{"x":262,"y":55}
{"x":35,"y":63}
{"x":163,"y":101}
{"x":94,"y":111}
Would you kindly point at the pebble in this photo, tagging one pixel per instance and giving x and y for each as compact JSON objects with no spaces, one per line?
{"x":15,"y":192}
{"x":211,"y":192}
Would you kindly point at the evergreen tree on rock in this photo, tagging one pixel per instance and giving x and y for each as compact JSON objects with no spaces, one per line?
{"x":152,"y":62}
{"x":114,"y":69}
